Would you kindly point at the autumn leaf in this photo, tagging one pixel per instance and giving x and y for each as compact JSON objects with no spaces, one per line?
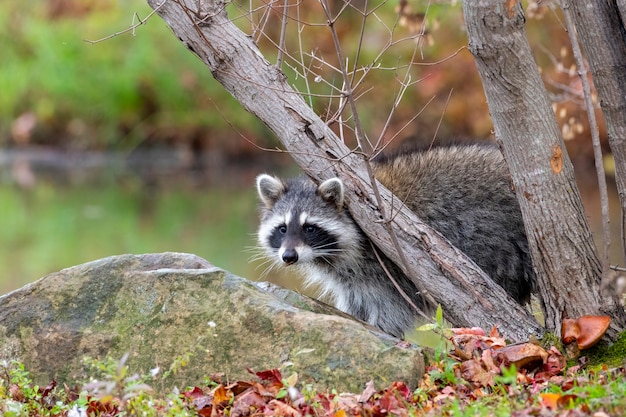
{"x":550,"y":400}
{"x":586,"y":331}
{"x":220,"y":396}
{"x":522,"y":355}
{"x":272,"y":376}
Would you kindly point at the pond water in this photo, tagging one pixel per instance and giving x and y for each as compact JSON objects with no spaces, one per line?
{"x":62,"y":209}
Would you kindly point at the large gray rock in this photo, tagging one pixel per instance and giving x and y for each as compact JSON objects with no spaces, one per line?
{"x":158,"y":307}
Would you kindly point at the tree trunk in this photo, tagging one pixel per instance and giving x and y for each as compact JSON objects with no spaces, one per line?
{"x":467,"y":295}
{"x":603,"y":38}
{"x":562,"y":247}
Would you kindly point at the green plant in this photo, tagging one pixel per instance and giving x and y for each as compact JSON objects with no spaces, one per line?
{"x":23,"y":398}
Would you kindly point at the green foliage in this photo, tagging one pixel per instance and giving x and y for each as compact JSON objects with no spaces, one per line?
{"x":110,"y":93}
{"x":441,"y":329}
{"x":612,"y":355}
{"x":115,"y":391}
{"x":114,"y":378}
{"x":20,"y":397}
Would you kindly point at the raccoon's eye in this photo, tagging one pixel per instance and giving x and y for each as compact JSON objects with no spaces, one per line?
{"x":309,"y":228}
{"x":282,"y":229}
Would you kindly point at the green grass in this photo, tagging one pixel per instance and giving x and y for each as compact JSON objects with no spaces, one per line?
{"x":113,"y":390}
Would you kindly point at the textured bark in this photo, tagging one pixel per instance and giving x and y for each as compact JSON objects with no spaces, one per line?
{"x":562,"y":247}
{"x":466,"y":294}
{"x":603,"y":38}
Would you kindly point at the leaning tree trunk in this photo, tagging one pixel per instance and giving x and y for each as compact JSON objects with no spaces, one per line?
{"x":467,"y":295}
{"x":562,"y":247}
{"x":603,"y":38}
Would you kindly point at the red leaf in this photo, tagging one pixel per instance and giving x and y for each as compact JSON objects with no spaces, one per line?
{"x":554,"y":364}
{"x":272,"y":376}
{"x":47,"y":390}
{"x":402,"y":389}
{"x":193,"y":394}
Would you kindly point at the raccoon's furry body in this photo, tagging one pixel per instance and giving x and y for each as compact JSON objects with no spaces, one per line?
{"x":464,"y":192}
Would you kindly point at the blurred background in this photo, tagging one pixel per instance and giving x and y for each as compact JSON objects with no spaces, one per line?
{"x":128,"y":145}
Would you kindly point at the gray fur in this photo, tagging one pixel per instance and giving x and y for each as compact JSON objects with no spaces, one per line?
{"x":464,"y":192}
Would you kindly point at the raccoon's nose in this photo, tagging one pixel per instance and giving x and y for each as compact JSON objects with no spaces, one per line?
{"x":290,"y":256}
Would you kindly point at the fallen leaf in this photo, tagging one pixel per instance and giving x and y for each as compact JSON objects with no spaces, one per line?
{"x":199,"y":399}
{"x":550,"y":400}
{"x":473,"y":371}
{"x":585,"y":330}
{"x":566,"y":400}
{"x":279,"y":408}
{"x":522,"y":355}
{"x":555,"y":363}
{"x":488,"y":362}
{"x":246,"y":401}
{"x":477,"y":331}
{"x":220,"y":396}
{"x":367,"y":392}
{"x":271,"y":375}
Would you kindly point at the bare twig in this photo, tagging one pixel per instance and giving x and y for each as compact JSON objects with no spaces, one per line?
{"x":380,"y":149}
{"x":131,"y":28}
{"x":397,"y":286}
{"x":348,"y":90}
{"x":441,"y":117}
{"x":283,"y":34}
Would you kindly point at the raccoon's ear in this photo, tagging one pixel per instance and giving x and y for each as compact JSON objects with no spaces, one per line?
{"x":269,"y":188}
{"x":332,"y":191}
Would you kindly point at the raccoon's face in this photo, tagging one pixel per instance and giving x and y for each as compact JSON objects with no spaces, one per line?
{"x":302,"y":224}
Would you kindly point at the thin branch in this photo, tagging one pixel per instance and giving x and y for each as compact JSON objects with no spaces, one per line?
{"x":283,"y":33}
{"x":396,"y":285}
{"x":445,"y":107}
{"x":131,"y":28}
{"x":404,"y":126}
{"x":305,"y":70}
{"x":406,"y":82}
{"x":361,"y":137}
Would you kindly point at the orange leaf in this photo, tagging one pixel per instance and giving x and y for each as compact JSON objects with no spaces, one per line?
{"x":220,"y":395}
{"x":586,"y":330}
{"x":550,"y":400}
{"x":477,"y":331}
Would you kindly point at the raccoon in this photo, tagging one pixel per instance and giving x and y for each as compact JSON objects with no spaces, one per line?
{"x":464,"y":192}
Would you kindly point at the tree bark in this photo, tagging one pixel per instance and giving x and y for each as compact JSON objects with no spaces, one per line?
{"x":562,"y":247}
{"x":603,"y":38}
{"x":467,"y":295}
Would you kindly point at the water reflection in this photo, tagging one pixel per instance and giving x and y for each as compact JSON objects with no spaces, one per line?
{"x":64,"y":208}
